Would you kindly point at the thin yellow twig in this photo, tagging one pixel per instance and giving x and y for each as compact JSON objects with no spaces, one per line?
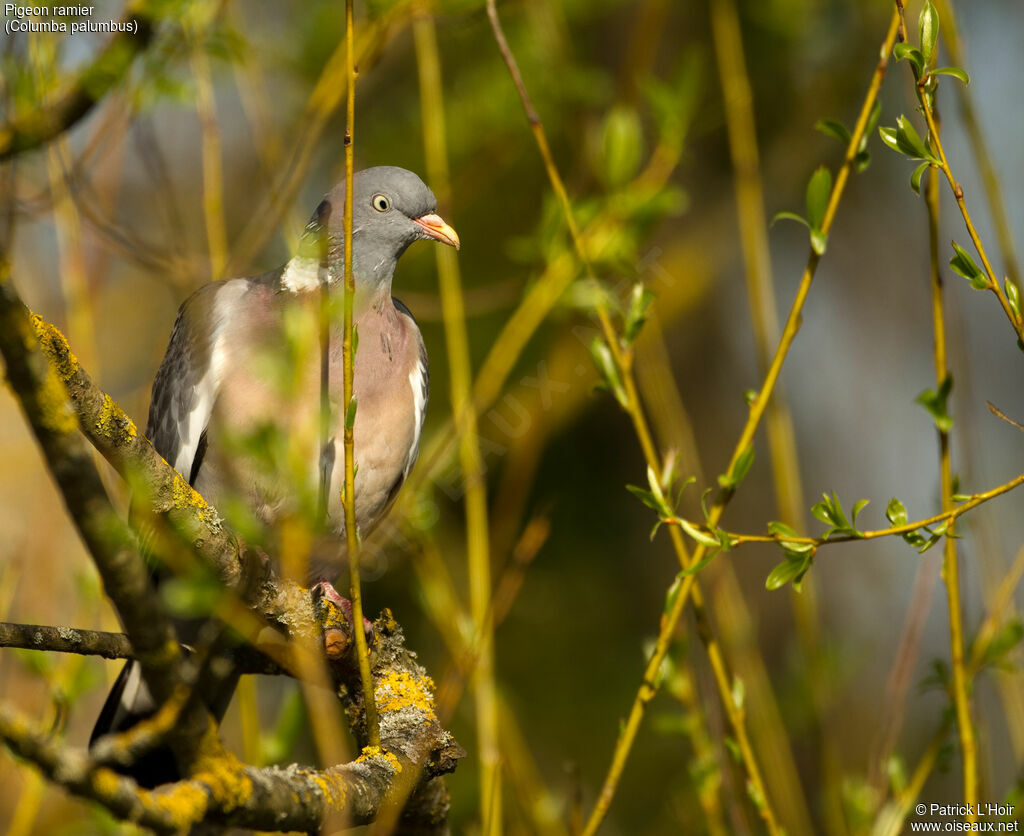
{"x":348,"y":357}
{"x":213,"y":174}
{"x":950,"y":570}
{"x":460,"y":373}
{"x":623,"y":361}
{"x":958,"y":192}
{"x":785,"y":466}
{"x":948,"y":516}
{"x":993,"y":188}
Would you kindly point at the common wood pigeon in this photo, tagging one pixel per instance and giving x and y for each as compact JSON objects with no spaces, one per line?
{"x":236,"y":404}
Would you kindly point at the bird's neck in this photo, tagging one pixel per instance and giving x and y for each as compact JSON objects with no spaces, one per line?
{"x":302,"y":275}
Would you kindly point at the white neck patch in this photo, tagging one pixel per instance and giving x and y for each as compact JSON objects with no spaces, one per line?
{"x":301,"y":274}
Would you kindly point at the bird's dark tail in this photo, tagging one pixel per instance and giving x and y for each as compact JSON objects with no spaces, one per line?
{"x":129,"y":702}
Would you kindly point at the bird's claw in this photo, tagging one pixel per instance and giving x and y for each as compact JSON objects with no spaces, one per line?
{"x":334,"y":612}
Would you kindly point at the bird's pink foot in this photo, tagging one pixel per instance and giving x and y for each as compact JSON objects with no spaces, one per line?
{"x":334,"y":612}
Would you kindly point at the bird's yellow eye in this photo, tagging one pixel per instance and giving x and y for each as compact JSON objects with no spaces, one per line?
{"x":381,"y":203}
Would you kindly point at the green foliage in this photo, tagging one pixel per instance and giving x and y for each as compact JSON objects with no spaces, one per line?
{"x":1012,"y":297}
{"x":674,"y":102}
{"x":906,"y":52}
{"x":955,"y":72}
{"x":819,"y":189}
{"x":998,"y":648}
{"x":621,"y":146}
{"x":964,"y":265}
{"x":731,"y":480}
{"x":636,"y":311}
{"x":896,"y":513}
{"x":928,"y":31}
{"x":915,"y":178}
{"x":830,"y":511}
{"x":798,"y":558}
{"x":838,"y":130}
{"x":937,"y":403}
{"x":905,"y":140}
{"x":601,"y":354}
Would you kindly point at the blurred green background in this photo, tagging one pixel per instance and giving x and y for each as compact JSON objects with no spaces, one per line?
{"x":107,"y":235}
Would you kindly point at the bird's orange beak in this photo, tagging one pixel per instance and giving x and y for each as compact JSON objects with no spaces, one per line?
{"x":436,"y":228}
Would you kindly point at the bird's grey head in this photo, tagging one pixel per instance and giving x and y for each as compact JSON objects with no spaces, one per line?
{"x":391,"y":208}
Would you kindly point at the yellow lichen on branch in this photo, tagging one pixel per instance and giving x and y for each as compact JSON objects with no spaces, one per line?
{"x":398,"y":690}
{"x":184,"y":496}
{"x":376,"y":752}
{"x":55,"y":346}
{"x":114,"y":423}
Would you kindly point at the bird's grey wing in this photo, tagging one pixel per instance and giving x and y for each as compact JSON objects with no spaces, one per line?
{"x":184,"y":393}
{"x":187,"y":383}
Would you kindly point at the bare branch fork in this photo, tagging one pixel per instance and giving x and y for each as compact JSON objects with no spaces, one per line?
{"x":59,"y":400}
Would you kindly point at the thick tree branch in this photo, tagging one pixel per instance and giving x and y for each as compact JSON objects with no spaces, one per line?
{"x":45,"y":402}
{"x":221,"y":789}
{"x":246,"y":658}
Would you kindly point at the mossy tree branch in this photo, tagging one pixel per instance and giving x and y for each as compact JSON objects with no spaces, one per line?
{"x":228,"y":792}
{"x":44,"y":400}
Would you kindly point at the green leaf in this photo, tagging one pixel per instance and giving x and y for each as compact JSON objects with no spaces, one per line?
{"x":896,"y":512}
{"x":956,"y":72}
{"x":819,"y":241}
{"x":788,"y":570}
{"x":915,"y":178}
{"x":936,"y":403}
{"x":636,"y":313}
{"x":602,"y":356}
{"x":739,"y":692}
{"x":910,"y":142}
{"x":1012,"y":296}
{"x":791,"y":548}
{"x":780,"y":529}
{"x":911,"y":54}
{"x":830,"y":511}
{"x":928,"y":30}
{"x":888,"y":136}
{"x":646,"y":497}
{"x":699,"y":536}
{"x":621,"y":145}
{"x":857,"y":508}
{"x":819,"y":189}
{"x":693,"y":570}
{"x":905,"y":140}
{"x":963,"y":264}
{"x":790,"y":216}
{"x":873,"y":118}
{"x":833,"y":128}
{"x":673,"y":593}
{"x":350,"y":413}
{"x":731,"y":480}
